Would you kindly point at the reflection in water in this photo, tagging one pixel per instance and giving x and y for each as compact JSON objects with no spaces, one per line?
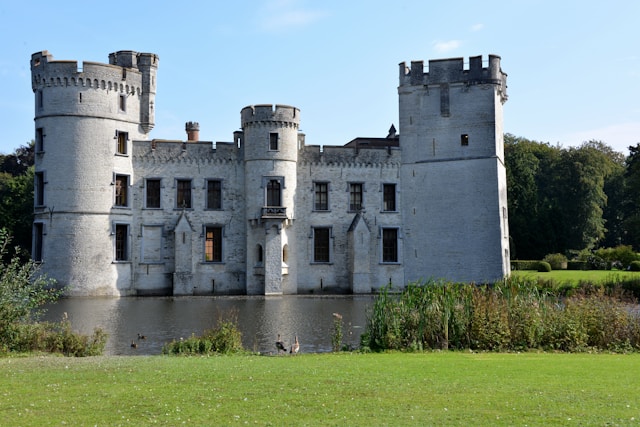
{"x":259,"y":318}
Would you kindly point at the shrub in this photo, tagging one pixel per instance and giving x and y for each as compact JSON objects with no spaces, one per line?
{"x":621,"y":256}
{"x":224,"y":338}
{"x":634,"y":266}
{"x":557,"y":261}
{"x":544,"y":267}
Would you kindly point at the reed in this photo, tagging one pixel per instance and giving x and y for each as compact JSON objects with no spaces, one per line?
{"x":511,"y":315}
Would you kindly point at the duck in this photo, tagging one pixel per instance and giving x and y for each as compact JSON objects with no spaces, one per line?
{"x":295,"y":347}
{"x":141,"y":337}
{"x":134,"y":344}
{"x":280,"y":345}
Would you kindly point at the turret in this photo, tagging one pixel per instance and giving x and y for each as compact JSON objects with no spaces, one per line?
{"x":86,"y":118}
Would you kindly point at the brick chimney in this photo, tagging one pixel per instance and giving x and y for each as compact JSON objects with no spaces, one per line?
{"x":193,"y":131}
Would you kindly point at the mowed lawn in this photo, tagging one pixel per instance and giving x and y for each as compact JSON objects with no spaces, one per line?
{"x":575,"y":276}
{"x":345,"y":389}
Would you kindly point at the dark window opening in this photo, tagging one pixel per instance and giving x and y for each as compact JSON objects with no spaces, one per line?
{"x":214,"y":194}
{"x":38,"y":238}
{"x":389,"y":245}
{"x":273,"y":141}
{"x":39,"y":188}
{"x":389,"y":197}
{"x":321,"y":244}
{"x":39,"y":140}
{"x":123,"y":103}
{"x":153,"y":193}
{"x":273,"y":193}
{"x":321,"y":196}
{"x":122,"y":250}
{"x":213,"y":244}
{"x":183,"y":196}
{"x":464,"y":139}
{"x":355,"y":197}
{"x":122,"y":189}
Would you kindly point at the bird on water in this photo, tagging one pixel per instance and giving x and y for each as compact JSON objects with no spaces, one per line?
{"x":134,"y":344}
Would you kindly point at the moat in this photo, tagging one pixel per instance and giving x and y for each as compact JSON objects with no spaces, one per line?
{"x":260,"y":319}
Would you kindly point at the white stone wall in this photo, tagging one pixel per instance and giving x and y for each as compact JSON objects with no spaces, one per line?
{"x":451,"y":197}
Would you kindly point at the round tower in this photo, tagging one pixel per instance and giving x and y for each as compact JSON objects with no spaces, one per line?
{"x":85,"y":118}
{"x":270,"y":140}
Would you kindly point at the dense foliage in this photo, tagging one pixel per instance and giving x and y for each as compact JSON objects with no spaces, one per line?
{"x":513,"y":315}
{"x":23,"y":292}
{"x":16,"y":194}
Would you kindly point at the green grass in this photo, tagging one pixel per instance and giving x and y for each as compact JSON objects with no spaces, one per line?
{"x":450,"y":388}
{"x":575,"y":276}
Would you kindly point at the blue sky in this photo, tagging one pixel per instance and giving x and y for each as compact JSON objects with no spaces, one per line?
{"x":573,"y":66}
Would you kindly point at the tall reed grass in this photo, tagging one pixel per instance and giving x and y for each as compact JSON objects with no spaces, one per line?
{"x":511,"y":315}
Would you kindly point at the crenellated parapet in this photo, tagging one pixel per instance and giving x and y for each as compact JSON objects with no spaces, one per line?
{"x":451,"y":71}
{"x":128,"y":73}
{"x":267,"y":114}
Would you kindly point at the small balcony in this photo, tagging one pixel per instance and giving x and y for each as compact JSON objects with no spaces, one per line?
{"x":278,"y":212}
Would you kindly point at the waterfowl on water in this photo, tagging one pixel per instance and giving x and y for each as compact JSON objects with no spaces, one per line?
{"x":141,"y":337}
{"x":134,"y":344}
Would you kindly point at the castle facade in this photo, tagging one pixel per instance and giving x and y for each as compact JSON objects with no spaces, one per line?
{"x":119,"y":214}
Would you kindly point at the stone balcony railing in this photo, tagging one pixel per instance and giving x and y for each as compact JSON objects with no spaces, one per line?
{"x":274,"y":212}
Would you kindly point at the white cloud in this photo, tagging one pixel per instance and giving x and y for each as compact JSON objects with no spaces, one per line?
{"x":286,"y":14}
{"x":477,"y":27}
{"x":446,"y":46}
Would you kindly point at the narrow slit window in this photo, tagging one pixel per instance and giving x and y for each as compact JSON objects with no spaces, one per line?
{"x":273,"y":142}
{"x":464,"y":139}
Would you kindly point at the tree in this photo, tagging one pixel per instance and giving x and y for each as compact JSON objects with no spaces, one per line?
{"x":16,"y":194}
{"x":631,"y":203}
{"x":22,"y":291}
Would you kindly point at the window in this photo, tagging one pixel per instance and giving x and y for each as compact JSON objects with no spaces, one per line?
{"x":464,"y":139}
{"x":273,"y":193}
{"x":121,"y":145}
{"x":40,"y":99}
{"x":39,"y":140}
{"x":122,"y":242}
{"x":389,"y":197}
{"x":389,"y":245}
{"x":273,"y":142}
{"x":152,"y":197}
{"x":38,"y":238}
{"x":321,"y":199}
{"x":259,"y":253}
{"x":183,"y":196}
{"x":123,"y":103}
{"x":39,"y":188}
{"x":355,"y":196}
{"x":321,"y":239}
{"x":122,"y":190}
{"x":213,"y":244}
{"x":214,"y":194}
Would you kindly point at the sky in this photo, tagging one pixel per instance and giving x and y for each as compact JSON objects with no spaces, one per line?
{"x":573,"y":66}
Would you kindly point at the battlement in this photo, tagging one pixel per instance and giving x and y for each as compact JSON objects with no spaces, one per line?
{"x":45,"y":71}
{"x":453,"y":71}
{"x":270,"y":113}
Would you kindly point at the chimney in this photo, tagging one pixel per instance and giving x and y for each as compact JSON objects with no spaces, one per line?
{"x":193,"y":131}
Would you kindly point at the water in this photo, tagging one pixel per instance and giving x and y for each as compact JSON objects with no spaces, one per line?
{"x":259,"y":318}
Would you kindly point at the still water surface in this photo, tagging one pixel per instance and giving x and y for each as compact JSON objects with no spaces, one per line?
{"x":260,"y":319}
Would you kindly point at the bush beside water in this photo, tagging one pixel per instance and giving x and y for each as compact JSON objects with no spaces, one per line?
{"x":513,"y":315}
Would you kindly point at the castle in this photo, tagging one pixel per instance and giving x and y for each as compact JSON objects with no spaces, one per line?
{"x":118,"y":214}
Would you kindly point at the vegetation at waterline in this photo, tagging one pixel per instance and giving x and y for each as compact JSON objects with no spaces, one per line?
{"x":433,"y":388}
{"x":23,"y":292}
{"x":513,"y":315}
{"x":225,"y":338}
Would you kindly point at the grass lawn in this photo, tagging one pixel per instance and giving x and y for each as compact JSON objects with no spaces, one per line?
{"x":448,"y":388}
{"x":575,"y":276}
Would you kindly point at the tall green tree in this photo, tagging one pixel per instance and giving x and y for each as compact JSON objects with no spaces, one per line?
{"x":16,"y":194}
{"x":631,"y":203}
